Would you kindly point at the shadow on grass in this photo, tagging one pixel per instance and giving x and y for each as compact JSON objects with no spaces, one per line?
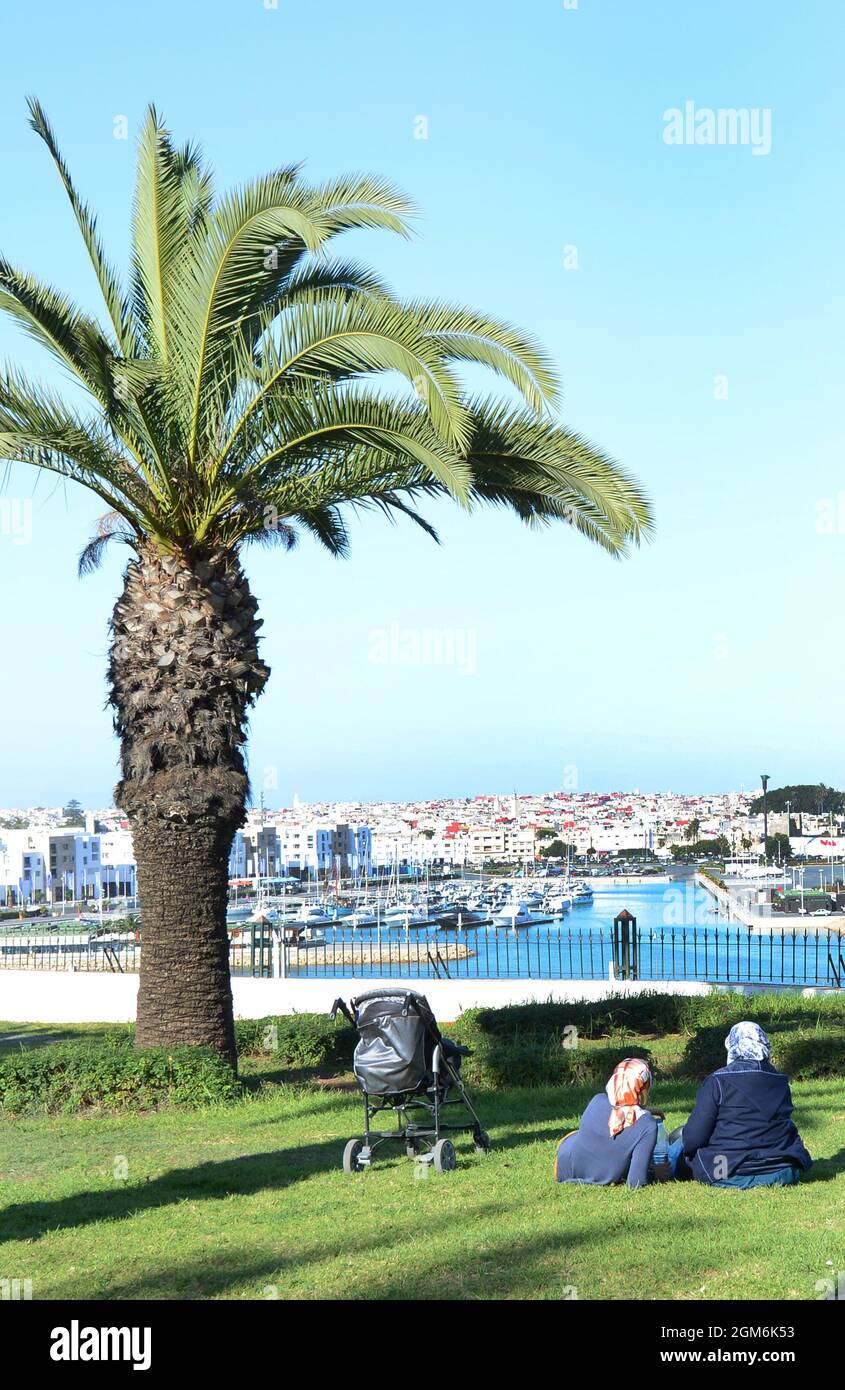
{"x":825,"y":1169}
{"x":508,"y":1270}
{"x":194,"y":1279}
{"x":315,"y":1079}
{"x":243,"y":1176}
{"x":18,"y":1039}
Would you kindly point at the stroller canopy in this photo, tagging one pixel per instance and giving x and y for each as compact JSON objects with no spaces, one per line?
{"x":398,"y":1034}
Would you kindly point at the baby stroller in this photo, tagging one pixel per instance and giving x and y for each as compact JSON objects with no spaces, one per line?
{"x":404,"y":1064}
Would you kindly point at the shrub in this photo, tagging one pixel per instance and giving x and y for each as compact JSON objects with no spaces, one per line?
{"x":524,"y":1044}
{"x":803,"y":1053}
{"x":769,"y":1010}
{"x":251,"y":1035}
{"x":649,"y":1012}
{"x":644,"y":1013}
{"x":298,"y":1040}
{"x":809,"y":1055}
{"x":113,"y":1075}
{"x":529,"y":1045}
{"x":500,"y":1062}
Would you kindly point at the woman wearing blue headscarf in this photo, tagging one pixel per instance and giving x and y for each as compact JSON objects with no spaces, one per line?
{"x":741,"y":1132}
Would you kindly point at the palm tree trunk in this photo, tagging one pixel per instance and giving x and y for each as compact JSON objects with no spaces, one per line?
{"x":185,"y":994}
{"x":184,"y":671}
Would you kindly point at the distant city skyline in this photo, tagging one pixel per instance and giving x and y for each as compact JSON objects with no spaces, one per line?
{"x":685,"y":289}
{"x":274,"y":804}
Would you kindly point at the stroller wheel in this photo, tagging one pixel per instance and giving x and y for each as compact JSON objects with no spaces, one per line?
{"x":481,"y":1139}
{"x":350,"y":1156}
{"x":412,"y":1148}
{"x":443,"y":1156}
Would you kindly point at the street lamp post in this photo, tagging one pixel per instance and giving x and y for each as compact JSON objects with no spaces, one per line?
{"x":764,"y":778}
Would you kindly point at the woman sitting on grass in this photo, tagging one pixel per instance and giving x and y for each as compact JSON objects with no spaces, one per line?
{"x":615,"y":1142}
{"x":741,"y":1132}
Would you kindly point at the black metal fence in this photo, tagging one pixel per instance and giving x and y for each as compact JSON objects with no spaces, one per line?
{"x":69,"y":945}
{"x":736,"y":953}
{"x":725,"y":954}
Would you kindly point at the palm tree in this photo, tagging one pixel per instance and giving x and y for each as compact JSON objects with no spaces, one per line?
{"x":691,"y":832}
{"x":248,"y":385}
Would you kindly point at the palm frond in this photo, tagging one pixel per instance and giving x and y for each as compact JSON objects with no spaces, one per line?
{"x":36,"y":427}
{"x":326,"y":526}
{"x":545,"y":472}
{"x":463,"y":335}
{"x":361,"y":200}
{"x":308,"y":438}
{"x":271,"y":531}
{"x":196,"y":188}
{"x":229,"y":266}
{"x":53,"y":321}
{"x":342,"y":336}
{"x":313,"y":274}
{"x":107,"y":278}
{"x":158,"y":234}
{"x":109,"y":528}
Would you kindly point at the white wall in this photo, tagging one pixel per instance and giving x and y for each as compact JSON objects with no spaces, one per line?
{"x":46,"y":996}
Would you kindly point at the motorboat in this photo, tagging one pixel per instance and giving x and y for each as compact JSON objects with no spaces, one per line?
{"x":240,"y":913}
{"x":582,"y":893}
{"x":458,"y":919}
{"x":514,"y":914}
{"x":262,"y":915}
{"x":362,"y":917}
{"x":405,"y":915}
{"x":312,"y":915}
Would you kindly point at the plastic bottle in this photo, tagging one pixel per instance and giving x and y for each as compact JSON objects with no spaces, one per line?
{"x":661,"y":1145}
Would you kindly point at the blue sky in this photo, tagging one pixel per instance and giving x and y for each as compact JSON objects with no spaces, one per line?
{"x":710,"y":655}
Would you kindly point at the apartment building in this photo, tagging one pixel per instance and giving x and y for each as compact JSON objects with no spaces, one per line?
{"x":295,"y":848}
{"x":508,"y":843}
{"x":52,"y":865}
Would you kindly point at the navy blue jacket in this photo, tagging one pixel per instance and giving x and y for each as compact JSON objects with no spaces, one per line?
{"x":592,"y":1156}
{"x":742,"y":1124}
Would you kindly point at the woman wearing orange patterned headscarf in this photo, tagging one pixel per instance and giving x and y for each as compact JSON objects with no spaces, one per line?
{"x":615,"y":1141}
{"x":627,"y":1090}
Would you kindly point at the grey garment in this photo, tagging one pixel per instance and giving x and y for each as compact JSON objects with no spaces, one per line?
{"x":592,"y":1156}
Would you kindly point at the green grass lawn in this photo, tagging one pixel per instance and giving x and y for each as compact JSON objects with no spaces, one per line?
{"x":249,"y":1201}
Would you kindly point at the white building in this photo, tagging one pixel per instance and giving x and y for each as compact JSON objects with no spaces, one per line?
{"x":609,"y":837}
{"x":52,"y":865}
{"x":501,"y":843}
{"x":117,"y":864}
{"x":294,"y":848}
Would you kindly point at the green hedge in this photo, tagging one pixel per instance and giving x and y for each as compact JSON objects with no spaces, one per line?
{"x":642,"y":1013}
{"x":60,"y":1078}
{"x":807,"y":1056}
{"x":531,"y":1044}
{"x":298,"y":1040}
{"x":803,"y":1053}
{"x":769,"y":1010}
{"x":651,"y":1012}
{"x":499,"y":1062}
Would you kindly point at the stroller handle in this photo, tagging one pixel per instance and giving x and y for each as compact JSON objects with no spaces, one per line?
{"x":339,"y":1006}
